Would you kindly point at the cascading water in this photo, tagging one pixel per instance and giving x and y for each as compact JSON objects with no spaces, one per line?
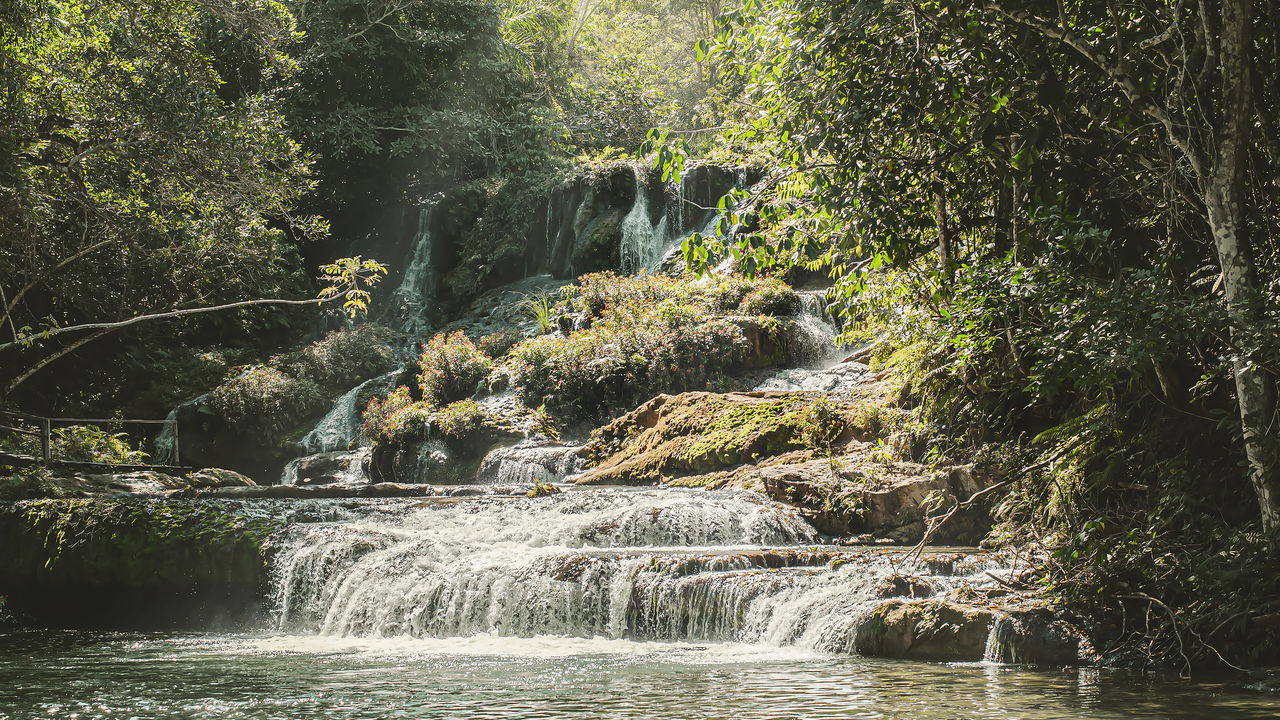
{"x":418,"y":286}
{"x":339,"y":429}
{"x":714,"y":566}
{"x":530,"y":463}
{"x":644,"y":242}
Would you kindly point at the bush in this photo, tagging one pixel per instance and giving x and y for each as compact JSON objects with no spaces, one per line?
{"x":823,"y":422}
{"x":770,"y":298}
{"x":264,"y":399}
{"x":342,"y":358}
{"x":457,"y":421}
{"x":451,"y":367}
{"x":649,"y":334}
{"x":401,"y":419}
{"x":81,"y":443}
{"x":499,"y":343}
{"x":613,"y":366}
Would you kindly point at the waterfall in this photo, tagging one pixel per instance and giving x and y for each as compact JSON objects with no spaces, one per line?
{"x":714,"y":566}
{"x":811,"y":335}
{"x":644,"y":242}
{"x":165,"y":440}
{"x":339,"y":429}
{"x":418,"y":286}
{"x":529,"y":463}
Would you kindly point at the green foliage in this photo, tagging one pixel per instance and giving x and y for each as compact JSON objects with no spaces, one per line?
{"x":451,"y":367}
{"x":458,"y":420}
{"x":279,"y":396}
{"x":81,"y":443}
{"x":342,"y":357}
{"x":541,"y":308}
{"x":646,"y":335}
{"x":131,"y":166}
{"x":265,"y":399}
{"x":771,"y":298}
{"x":399,"y":419}
{"x":349,"y":279}
{"x":500,"y":343}
{"x":822,"y":424}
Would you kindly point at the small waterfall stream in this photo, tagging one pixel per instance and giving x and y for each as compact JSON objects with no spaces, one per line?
{"x":339,"y":429}
{"x":418,"y":285}
{"x":644,"y":241}
{"x":703,"y":566}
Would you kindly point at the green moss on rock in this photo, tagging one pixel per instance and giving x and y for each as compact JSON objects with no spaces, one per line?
{"x":693,"y":434}
{"x":133,"y":563}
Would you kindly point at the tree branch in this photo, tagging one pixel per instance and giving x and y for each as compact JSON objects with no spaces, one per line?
{"x":162,"y":315}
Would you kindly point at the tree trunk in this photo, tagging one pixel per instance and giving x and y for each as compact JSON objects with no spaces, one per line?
{"x":1224,"y":200}
{"x":946,"y":242}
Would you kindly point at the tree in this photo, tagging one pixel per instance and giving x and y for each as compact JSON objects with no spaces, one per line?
{"x":1113,"y":151}
{"x":133,"y":180}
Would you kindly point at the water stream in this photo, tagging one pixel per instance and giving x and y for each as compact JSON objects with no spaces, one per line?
{"x":593,"y":603}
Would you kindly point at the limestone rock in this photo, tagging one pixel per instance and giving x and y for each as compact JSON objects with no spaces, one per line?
{"x":925,"y":630}
{"x":692,"y":434}
{"x":1038,"y":637}
{"x":217,"y":478}
{"x":853,"y":494}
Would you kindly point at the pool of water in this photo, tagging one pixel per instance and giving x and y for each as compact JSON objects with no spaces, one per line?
{"x":79,"y":675}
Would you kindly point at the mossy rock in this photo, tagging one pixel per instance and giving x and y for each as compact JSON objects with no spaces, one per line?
{"x":694,"y":434}
{"x":130,"y":563}
{"x":925,"y":630}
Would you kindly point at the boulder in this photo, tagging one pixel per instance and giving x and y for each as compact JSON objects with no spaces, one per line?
{"x":1038,"y":637}
{"x":209,"y":478}
{"x":933,"y":630}
{"x":861,"y":493}
{"x":693,"y":433}
{"x":133,"y":563}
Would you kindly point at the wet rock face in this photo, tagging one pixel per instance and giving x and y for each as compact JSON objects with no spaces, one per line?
{"x":1038,"y":637}
{"x":925,"y":630}
{"x":132,"y":563}
{"x":849,"y":496}
{"x":135,"y":483}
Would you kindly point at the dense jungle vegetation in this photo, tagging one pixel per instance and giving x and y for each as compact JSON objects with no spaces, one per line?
{"x":1058,"y":224}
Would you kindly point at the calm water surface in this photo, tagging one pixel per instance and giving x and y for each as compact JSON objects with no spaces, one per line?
{"x":97,"y":675}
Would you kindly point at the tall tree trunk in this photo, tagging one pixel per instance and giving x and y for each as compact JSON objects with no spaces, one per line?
{"x":1224,"y":199}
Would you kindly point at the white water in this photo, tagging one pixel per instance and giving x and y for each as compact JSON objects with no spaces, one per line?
{"x":530,"y":463}
{"x":170,"y":431}
{"x":339,"y":429}
{"x":644,"y":242}
{"x":418,"y":284}
{"x":642,"y":565}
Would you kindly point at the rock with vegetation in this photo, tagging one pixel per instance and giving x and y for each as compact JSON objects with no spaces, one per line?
{"x":251,"y":422}
{"x":868,"y":492}
{"x":693,"y":434}
{"x":146,"y":564}
{"x":35,"y":483}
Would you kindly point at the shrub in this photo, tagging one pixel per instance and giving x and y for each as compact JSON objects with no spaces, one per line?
{"x":770,"y":298}
{"x":457,"y":421}
{"x":341,"y":358}
{"x":821,"y":425}
{"x":401,"y":419}
{"x":81,"y":443}
{"x":265,"y":399}
{"x":499,"y":343}
{"x":609,"y":366}
{"x":451,"y":367}
{"x":649,"y":334}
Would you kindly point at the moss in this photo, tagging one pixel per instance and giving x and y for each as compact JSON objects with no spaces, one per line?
{"x":694,"y":434}
{"x":133,"y":563}
{"x":765,"y":427}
